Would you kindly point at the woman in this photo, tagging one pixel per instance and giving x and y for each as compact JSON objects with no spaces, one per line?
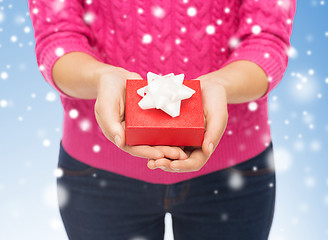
{"x":86,"y":49}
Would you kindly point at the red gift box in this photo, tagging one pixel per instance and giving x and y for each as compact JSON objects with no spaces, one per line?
{"x":155,"y":127}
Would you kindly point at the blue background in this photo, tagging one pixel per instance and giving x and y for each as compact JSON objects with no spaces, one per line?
{"x":30,"y":131}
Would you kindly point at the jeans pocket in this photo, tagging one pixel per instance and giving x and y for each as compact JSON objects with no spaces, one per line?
{"x":259,"y":165}
{"x":71,"y":166}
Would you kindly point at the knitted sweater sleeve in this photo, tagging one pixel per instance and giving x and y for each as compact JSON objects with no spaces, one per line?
{"x":59,"y":28}
{"x":263,"y":37}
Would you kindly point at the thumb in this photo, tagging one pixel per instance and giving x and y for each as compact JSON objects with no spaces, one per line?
{"x":216,"y":122}
{"x":109,"y":112}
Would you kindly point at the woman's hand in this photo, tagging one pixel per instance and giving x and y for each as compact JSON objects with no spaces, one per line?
{"x":109,"y":112}
{"x":216,"y":117}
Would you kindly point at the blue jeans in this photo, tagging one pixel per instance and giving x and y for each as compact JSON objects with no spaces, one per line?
{"x":235,"y":203}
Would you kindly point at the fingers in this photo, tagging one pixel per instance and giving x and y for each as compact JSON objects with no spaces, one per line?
{"x":143,"y":151}
{"x":108,"y":116}
{"x":161,"y":163}
{"x":172,"y":152}
{"x":215,"y":127}
{"x":216,"y":116}
{"x":195,"y":162}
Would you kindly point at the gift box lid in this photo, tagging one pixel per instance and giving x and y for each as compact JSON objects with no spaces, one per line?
{"x":191,"y":110}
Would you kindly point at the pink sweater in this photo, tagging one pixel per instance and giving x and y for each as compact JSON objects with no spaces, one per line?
{"x":192,"y":37}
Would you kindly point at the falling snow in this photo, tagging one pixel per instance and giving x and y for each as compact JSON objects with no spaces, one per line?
{"x":210,"y":29}
{"x":51,"y":96}
{"x":59,"y":51}
{"x":4,"y":75}
{"x":147,"y":38}
{"x":252,"y":106}
{"x":191,"y":11}
{"x":73,"y":113}
{"x":96,"y":148}
{"x":296,"y":111}
{"x":256,"y":29}
{"x":158,"y":12}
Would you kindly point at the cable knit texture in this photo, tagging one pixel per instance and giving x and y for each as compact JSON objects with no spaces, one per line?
{"x":193,"y":37}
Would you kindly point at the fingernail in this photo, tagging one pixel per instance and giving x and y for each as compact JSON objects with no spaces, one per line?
{"x":175,"y":169}
{"x":117,"y":140}
{"x":211,"y":147}
{"x":163,"y":168}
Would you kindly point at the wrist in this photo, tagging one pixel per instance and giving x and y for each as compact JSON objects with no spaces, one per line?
{"x":210,"y":81}
{"x":107,"y":74}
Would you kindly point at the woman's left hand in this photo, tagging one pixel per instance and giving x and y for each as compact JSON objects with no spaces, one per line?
{"x":214,"y":100}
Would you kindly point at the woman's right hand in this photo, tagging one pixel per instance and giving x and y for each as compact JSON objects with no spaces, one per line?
{"x":109,"y":113}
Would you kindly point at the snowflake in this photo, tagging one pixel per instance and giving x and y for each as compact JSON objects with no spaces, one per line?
{"x":227,"y":10}
{"x":73,"y":113}
{"x":59,"y":51}
{"x":146,"y":39}
{"x":140,"y":10}
{"x":56,"y":224}
{"x":311,"y":72}
{"x":191,"y":11}
{"x":46,"y":142}
{"x":89,"y":17}
{"x":63,"y":196}
{"x":177,"y":41}
{"x":283,"y":159}
{"x":27,"y":29}
{"x":51,"y":97}
{"x":158,"y":12}
{"x":2,"y":17}
{"x":292,"y":52}
{"x":252,"y":106}
{"x":88,"y":2}
{"x":58,"y":172}
{"x":4,"y":75}
{"x":234,"y":42}
{"x":256,"y":29}
{"x":224,"y":216}
{"x":219,"y":22}
{"x":3,"y":103}
{"x":210,"y":29}
{"x":41,"y":68}
{"x":96,"y":148}
{"x":235,"y":181}
{"x":85,"y":125}
{"x":13,"y":38}
{"x":35,"y":11}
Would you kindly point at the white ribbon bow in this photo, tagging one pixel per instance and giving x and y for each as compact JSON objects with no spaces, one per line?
{"x":165,"y":93}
